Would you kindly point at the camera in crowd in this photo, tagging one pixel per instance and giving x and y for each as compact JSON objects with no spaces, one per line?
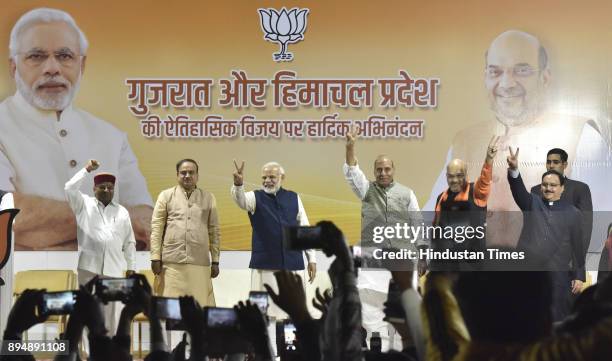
{"x":260,"y":299}
{"x":114,"y":289}
{"x":219,"y":318}
{"x":57,"y":303}
{"x":169,"y":309}
{"x":301,"y":238}
{"x":286,"y":340}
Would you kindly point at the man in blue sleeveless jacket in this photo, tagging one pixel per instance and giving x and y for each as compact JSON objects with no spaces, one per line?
{"x":271,"y":209}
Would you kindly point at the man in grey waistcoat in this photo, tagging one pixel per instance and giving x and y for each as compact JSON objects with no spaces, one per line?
{"x":384,"y":203}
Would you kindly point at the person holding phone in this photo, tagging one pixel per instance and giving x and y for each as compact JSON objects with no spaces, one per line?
{"x":107,"y":246}
{"x":270,"y":209}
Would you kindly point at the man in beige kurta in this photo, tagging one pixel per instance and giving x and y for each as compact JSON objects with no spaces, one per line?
{"x":185,"y":238}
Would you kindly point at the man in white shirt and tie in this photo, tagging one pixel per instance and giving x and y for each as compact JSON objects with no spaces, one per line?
{"x":104,"y":231}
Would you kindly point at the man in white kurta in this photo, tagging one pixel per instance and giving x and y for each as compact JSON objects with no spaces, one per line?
{"x":104,"y":232}
{"x":41,"y":129}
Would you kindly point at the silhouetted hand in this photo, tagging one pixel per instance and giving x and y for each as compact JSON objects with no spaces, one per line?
{"x":192,"y":315}
{"x":24,"y":315}
{"x":291,"y":297}
{"x":90,"y":311}
{"x":321,"y":301}
{"x":178,"y":354}
{"x":254,"y":328}
{"x":334,"y":243}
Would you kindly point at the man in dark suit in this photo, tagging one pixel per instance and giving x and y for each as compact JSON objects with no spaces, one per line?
{"x":576,"y":193}
{"x":552,"y":234}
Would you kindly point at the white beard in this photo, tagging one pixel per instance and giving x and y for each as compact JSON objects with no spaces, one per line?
{"x":272,"y":190}
{"x":57,"y":103}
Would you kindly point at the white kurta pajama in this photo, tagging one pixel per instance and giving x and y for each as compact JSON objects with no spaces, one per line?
{"x":107,"y":246}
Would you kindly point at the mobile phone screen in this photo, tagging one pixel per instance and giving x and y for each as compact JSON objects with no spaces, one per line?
{"x":167,"y":308}
{"x":58,"y":303}
{"x":289,"y":333}
{"x":221,"y":317}
{"x":260,"y":299}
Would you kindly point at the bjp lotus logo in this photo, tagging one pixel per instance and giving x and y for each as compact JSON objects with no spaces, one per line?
{"x":6,"y":222}
{"x":284,"y":28}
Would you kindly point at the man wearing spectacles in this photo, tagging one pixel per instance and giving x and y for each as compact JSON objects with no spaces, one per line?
{"x":517,"y":75}
{"x":41,"y":129}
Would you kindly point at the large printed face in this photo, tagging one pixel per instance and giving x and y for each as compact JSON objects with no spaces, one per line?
{"x":48,"y":65}
{"x":513,"y":78}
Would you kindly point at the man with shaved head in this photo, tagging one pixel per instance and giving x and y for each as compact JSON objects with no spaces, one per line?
{"x":385,"y":203}
{"x":464,"y":203}
{"x":517,"y":75}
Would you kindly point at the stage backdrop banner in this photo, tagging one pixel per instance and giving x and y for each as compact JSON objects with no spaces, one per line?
{"x":283,"y":81}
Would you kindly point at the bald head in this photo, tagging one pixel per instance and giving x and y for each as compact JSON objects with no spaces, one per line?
{"x":384,"y":170}
{"x":516,"y":74}
{"x":456,"y":175}
{"x":518,"y":42}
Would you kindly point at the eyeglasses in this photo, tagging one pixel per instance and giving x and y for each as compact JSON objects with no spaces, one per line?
{"x":519,"y":71}
{"x":65,"y":58}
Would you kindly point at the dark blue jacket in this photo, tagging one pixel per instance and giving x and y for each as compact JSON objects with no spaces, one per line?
{"x":272,"y":213}
{"x":552,"y":233}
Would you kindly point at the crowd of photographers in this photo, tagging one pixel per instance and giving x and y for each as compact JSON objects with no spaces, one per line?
{"x":455,"y":316}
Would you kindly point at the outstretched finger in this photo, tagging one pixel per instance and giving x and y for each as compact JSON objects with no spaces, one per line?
{"x":319,"y":296}
{"x":492,"y":141}
{"x":517,"y":152}
{"x":273,"y":295}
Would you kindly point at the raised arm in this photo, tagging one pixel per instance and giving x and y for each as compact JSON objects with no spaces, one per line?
{"x":352,"y":173}
{"x":482,"y":187}
{"x":351,"y":137}
{"x":519,"y":192}
{"x":73,"y":186}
